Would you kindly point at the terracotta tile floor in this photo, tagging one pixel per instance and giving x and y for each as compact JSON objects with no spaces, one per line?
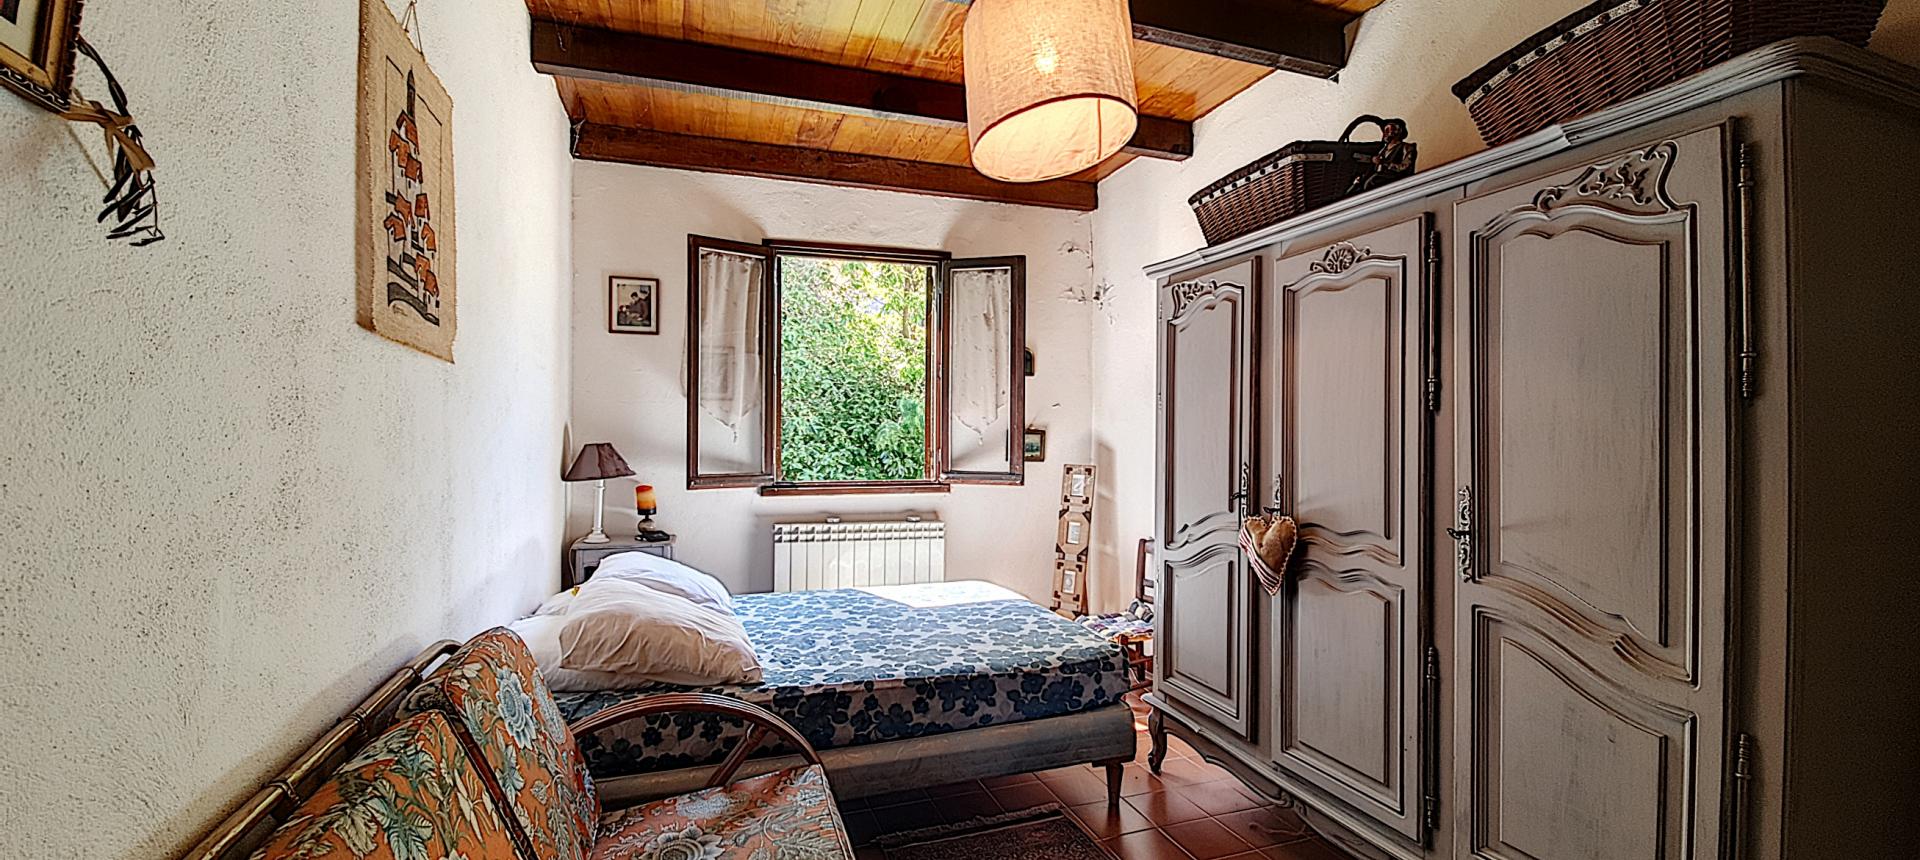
{"x":1191,"y":811}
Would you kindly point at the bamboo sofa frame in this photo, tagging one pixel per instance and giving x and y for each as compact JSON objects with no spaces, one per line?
{"x":247,"y":827}
{"x":236,"y":836}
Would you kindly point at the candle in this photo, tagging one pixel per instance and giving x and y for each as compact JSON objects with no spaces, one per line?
{"x":643,"y":500}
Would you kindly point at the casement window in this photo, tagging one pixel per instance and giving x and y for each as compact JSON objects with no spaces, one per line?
{"x":839,"y":369}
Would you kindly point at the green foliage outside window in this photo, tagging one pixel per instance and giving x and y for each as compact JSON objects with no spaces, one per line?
{"x":853,"y":372}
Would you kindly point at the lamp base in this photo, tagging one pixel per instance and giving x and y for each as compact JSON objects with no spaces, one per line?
{"x":599,"y":534}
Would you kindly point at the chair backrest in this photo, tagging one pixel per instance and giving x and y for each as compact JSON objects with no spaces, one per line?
{"x":240,"y":832}
{"x":491,"y":692}
{"x":411,"y":793}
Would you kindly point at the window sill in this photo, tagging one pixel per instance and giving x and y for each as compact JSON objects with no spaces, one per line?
{"x":854,"y":488}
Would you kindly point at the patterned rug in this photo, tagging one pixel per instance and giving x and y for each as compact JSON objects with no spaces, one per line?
{"x":1041,"y":833}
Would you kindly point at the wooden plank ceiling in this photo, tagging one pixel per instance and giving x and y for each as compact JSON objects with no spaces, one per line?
{"x":690,"y":83}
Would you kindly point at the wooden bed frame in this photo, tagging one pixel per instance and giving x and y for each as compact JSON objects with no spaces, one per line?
{"x":1103,"y":737}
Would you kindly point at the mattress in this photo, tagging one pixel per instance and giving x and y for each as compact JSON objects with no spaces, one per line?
{"x":864,"y":666}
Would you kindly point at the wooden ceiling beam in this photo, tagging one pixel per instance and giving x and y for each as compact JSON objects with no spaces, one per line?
{"x":566,"y":50}
{"x":1291,"y":35}
{"x":715,"y":155}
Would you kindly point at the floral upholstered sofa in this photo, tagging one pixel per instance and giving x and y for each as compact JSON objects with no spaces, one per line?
{"x":479,"y":764}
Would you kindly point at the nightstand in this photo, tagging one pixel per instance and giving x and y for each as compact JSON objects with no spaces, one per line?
{"x":583,"y":558}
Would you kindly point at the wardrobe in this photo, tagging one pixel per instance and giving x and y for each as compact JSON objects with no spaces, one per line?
{"x":1602,"y":448}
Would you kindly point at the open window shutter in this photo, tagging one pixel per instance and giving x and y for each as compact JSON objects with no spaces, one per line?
{"x":730,"y":364}
{"x":983,"y":386}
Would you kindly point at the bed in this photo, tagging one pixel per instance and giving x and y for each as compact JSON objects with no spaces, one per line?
{"x":897,"y":687}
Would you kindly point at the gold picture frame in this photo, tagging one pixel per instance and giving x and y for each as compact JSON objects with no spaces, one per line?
{"x":37,"y":40}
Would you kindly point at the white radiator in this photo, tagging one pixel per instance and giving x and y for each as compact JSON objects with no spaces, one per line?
{"x":835,"y":554}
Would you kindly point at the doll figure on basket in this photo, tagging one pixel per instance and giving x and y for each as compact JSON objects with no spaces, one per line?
{"x":1396,"y":159}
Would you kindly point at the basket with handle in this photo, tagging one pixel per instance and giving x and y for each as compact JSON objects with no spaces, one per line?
{"x":1613,"y":50}
{"x":1303,"y":176}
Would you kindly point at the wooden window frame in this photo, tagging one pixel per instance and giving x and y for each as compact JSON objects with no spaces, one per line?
{"x":939,"y":476}
{"x":769,"y":395}
{"x":1016,"y":473}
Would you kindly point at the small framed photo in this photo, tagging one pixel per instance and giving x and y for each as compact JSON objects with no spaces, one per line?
{"x":36,"y":49}
{"x":633,"y":305}
{"x":1035,"y":445}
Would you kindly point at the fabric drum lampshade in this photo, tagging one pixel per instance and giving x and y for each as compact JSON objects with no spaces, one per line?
{"x":1050,"y":88}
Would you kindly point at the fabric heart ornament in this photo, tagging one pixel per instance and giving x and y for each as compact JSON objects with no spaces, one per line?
{"x":1269,"y":542}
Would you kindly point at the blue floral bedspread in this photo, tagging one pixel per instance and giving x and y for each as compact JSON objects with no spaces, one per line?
{"x":851,"y":667}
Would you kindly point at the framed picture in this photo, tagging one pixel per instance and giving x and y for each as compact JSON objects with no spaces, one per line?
{"x":1035,"y":445}
{"x":1072,"y":543}
{"x":633,"y":305}
{"x":36,"y":49}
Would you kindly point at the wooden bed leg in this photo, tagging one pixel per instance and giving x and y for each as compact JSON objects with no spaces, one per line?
{"x":1157,"y":732}
{"x":1116,"y":772}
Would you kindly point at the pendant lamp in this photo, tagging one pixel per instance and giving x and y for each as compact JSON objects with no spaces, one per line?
{"x":1049,"y":85}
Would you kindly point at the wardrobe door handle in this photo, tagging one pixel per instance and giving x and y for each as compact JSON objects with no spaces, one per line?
{"x":1462,"y":534}
{"x":1463,"y":553}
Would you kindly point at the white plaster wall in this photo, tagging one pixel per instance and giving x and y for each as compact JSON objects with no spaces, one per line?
{"x":1407,"y":56}
{"x":628,"y":389}
{"x":226,"y":512}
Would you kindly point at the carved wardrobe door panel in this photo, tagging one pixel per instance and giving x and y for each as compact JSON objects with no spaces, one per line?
{"x":1206,"y":609}
{"x":1343,"y":446}
{"x":1593,"y":506}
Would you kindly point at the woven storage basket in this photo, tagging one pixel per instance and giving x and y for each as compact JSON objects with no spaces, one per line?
{"x":1614,"y":50}
{"x":1298,"y":177}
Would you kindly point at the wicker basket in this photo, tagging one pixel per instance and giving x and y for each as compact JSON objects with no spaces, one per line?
{"x":1614,"y":50}
{"x":1299,"y":177}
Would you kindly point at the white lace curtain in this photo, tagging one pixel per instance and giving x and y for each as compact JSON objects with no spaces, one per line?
{"x":731,"y":383}
{"x":981,"y":398}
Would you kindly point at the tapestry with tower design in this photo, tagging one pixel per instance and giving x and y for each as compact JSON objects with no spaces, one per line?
{"x":405,"y":289}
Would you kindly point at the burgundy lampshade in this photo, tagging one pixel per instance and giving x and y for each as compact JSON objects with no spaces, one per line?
{"x":596,"y":462}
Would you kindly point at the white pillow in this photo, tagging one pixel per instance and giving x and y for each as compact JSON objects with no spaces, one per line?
{"x":630,"y":629}
{"x":665,"y":574}
{"x":542,"y":635}
{"x":557,"y":604}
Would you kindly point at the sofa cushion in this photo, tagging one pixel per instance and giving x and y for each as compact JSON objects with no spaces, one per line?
{"x":491,"y":692}
{"x":788,"y":815}
{"x":412,"y":794}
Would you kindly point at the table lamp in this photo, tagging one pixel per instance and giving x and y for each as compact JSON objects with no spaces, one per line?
{"x":646,"y":506}
{"x":597,"y":462}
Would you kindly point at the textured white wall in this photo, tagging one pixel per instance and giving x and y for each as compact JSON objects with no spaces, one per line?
{"x":1407,"y":56}
{"x":628,"y":389}
{"x":226,"y":512}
